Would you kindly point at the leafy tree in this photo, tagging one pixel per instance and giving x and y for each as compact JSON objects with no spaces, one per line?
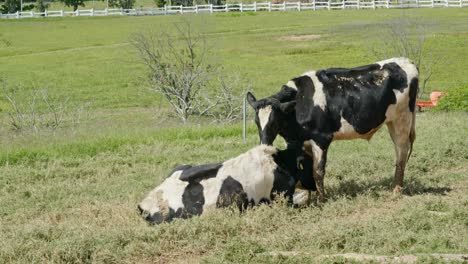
{"x":74,"y":3}
{"x":160,"y":3}
{"x":41,"y":6}
{"x":10,"y":6}
{"x":125,"y":4}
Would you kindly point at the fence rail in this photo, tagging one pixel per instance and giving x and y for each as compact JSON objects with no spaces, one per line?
{"x":264,"y":6}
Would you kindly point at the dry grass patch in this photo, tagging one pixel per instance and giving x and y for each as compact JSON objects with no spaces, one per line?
{"x":300,"y":37}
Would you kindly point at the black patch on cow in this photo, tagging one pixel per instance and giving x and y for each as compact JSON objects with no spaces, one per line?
{"x":201,"y":172}
{"x":361,"y":95}
{"x":178,"y":168}
{"x":232,"y":192}
{"x":285,"y":94}
{"x":413,"y":93}
{"x":193,"y":199}
{"x":294,"y":165}
{"x":347,"y":72}
{"x":158,"y":218}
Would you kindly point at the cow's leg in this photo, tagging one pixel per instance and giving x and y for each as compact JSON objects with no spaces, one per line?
{"x":319,"y":157}
{"x":403,"y":135}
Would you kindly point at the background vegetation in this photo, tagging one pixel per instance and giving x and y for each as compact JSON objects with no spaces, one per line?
{"x":69,"y":194}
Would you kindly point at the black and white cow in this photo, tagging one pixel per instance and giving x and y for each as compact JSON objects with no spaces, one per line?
{"x":339,"y":103}
{"x":249,"y":179}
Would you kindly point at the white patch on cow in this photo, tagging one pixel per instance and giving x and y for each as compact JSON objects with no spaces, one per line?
{"x":408,"y":67}
{"x":292,"y":84}
{"x":253,"y":169}
{"x":167,"y":195}
{"x":301,"y":197}
{"x":346,"y":131}
{"x":264,"y":115}
{"x":402,"y":98}
{"x":317,"y":153}
{"x":319,"y":96}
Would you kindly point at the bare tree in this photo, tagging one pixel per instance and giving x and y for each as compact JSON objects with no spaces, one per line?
{"x":407,"y":37}
{"x":35,"y":109}
{"x":228,"y":98}
{"x":178,"y":66}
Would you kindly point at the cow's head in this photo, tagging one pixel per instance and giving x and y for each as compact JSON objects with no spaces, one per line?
{"x":271,"y":116}
{"x":155,"y":207}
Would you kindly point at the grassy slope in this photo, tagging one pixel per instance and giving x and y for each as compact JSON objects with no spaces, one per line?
{"x":90,"y":59}
{"x":71,"y":196}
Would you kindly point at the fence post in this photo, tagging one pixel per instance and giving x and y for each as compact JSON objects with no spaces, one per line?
{"x":17,"y":14}
{"x":299,"y":6}
{"x":227,"y":8}
{"x":165,"y":9}
{"x":61,"y":13}
{"x":329,"y":7}
{"x":343,"y":4}
{"x":196,"y":9}
{"x":313,"y":4}
{"x":461,"y":3}
{"x":373,"y":4}
{"x":241,"y":7}
{"x":211,"y":8}
{"x":106,"y":11}
{"x":181,"y":10}
{"x":388,"y":4}
{"x":244,"y":118}
{"x":446,"y":3}
{"x":284,"y":6}
{"x":432,"y":3}
{"x":77,"y":13}
{"x":45,"y":13}
{"x":92,"y":11}
{"x":269,"y":6}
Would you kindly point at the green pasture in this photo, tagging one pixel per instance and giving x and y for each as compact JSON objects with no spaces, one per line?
{"x":70,"y":195}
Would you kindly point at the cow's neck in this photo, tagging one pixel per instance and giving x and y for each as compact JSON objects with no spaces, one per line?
{"x":292,"y":132}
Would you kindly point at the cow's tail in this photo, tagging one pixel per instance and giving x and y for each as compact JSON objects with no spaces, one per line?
{"x":412,"y":134}
{"x":414,"y":87}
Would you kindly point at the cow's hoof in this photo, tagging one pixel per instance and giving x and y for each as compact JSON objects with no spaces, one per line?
{"x":301,"y":198}
{"x":397,"y":190}
{"x":321,"y":199}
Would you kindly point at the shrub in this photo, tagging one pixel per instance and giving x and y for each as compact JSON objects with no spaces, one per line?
{"x":454,"y":100}
{"x":10,"y":6}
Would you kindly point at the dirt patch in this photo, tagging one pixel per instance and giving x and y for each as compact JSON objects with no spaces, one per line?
{"x":367,"y":257}
{"x":300,"y":37}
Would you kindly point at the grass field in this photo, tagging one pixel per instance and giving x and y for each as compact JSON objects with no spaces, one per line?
{"x":70,"y":195}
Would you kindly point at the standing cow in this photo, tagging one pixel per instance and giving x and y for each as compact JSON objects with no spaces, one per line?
{"x":251,"y":178}
{"x":334,"y":104}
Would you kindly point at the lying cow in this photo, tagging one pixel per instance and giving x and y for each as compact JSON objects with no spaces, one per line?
{"x":334,"y":104}
{"x":249,"y":179}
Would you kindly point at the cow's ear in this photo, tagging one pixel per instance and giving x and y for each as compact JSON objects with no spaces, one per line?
{"x":288,"y":107}
{"x":200,"y":172}
{"x":251,"y":99}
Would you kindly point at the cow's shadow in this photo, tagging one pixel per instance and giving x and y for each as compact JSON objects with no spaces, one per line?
{"x":351,"y":188}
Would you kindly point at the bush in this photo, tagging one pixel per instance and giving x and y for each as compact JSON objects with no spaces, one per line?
{"x":10,"y":6}
{"x":454,"y":100}
{"x":160,"y":3}
{"x":41,"y":6}
{"x":125,"y":4}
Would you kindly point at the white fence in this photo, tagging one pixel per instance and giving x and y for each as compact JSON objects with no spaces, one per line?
{"x":265,"y":6}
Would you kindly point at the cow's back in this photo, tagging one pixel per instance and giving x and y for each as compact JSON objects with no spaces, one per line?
{"x":354,"y":103}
